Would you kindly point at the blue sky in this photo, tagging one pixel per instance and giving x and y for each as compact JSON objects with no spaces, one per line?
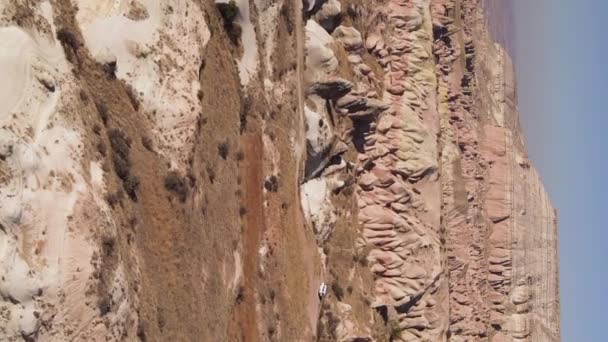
{"x":561,"y":53}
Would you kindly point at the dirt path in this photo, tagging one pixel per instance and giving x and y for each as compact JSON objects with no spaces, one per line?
{"x":252,"y":171}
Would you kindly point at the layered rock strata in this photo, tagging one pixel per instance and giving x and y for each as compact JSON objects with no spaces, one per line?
{"x":437,"y":174}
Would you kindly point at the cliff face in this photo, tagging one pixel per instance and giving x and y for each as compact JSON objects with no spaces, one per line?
{"x":186,"y":170}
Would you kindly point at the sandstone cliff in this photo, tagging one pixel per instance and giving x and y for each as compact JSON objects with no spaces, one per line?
{"x":193,"y":171}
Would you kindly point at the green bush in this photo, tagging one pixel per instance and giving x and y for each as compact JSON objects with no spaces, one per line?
{"x":229,"y":11}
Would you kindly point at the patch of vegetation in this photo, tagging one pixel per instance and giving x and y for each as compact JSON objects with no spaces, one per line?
{"x":177,"y":185}
{"x":242,"y":211}
{"x":287,"y":13}
{"x":131,"y":184}
{"x":121,"y":145}
{"x":68,"y":38}
{"x":107,"y":245}
{"x":110,"y":69}
{"x":122,"y":167}
{"x":229,"y":11}
{"x":102,"y":110}
{"x":244,"y":111}
{"x":394,"y":329}
{"x":104,"y":305}
{"x":240,"y":296}
{"x":337,"y":290}
{"x":327,"y":326}
{"x":223,"y":149}
{"x":271,"y":184}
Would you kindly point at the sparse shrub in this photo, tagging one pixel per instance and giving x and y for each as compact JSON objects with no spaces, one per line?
{"x":337,"y":290}
{"x":121,"y":167}
{"x":68,"y":38}
{"x":102,"y":110}
{"x":272,"y":184}
{"x":394,"y":329}
{"x":120,"y":143}
{"x":242,"y":211}
{"x":229,"y":12}
{"x":243,"y":112}
{"x":223,"y":149}
{"x":176,"y":184}
{"x":104,"y":305}
{"x":286,"y":16}
{"x":332,"y":324}
{"x":131,"y":184}
{"x":240,"y":295}
{"x":110,"y":69}
{"x":234,"y":33}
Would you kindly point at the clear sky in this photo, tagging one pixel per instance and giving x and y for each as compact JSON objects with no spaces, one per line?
{"x":561,"y":53}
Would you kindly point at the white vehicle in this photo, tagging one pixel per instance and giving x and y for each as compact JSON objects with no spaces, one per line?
{"x":322,"y":290}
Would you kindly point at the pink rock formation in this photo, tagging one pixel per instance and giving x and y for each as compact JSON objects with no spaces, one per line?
{"x":441,"y":179}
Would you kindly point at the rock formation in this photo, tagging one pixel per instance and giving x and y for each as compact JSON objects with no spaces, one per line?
{"x":188,"y":170}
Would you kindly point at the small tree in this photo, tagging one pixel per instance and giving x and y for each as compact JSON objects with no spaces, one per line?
{"x":229,"y":11}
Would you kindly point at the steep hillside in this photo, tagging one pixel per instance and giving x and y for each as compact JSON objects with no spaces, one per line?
{"x":194,"y":171}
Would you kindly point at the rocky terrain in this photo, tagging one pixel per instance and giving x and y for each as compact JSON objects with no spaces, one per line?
{"x":194,"y":170}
